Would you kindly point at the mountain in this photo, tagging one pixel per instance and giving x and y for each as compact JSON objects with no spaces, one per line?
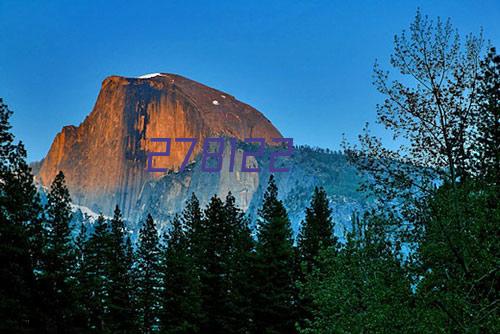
{"x":105,"y":157}
{"x":309,"y":167}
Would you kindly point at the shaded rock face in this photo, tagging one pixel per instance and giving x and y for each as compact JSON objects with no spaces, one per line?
{"x":165,"y":197}
{"x":105,"y":157}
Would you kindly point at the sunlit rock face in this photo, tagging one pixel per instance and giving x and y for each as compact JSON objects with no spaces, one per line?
{"x":105,"y":157}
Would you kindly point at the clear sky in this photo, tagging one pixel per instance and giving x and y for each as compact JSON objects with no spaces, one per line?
{"x":306,"y":65}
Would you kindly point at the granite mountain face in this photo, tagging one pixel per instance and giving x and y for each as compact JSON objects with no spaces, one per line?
{"x":105,"y":157}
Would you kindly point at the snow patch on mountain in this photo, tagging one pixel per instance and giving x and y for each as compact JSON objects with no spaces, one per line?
{"x":150,"y":75}
{"x":86,"y":211}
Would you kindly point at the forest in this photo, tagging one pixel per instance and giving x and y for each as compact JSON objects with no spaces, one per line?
{"x":424,"y":259}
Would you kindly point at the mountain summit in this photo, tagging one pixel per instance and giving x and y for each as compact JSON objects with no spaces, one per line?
{"x":105,"y":157}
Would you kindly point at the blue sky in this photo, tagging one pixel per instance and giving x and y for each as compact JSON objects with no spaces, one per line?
{"x":306,"y":65}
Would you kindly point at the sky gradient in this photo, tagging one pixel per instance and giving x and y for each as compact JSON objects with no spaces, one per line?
{"x":306,"y":65}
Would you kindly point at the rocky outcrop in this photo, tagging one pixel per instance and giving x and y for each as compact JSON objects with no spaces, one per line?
{"x":165,"y":197}
{"x":105,"y":157}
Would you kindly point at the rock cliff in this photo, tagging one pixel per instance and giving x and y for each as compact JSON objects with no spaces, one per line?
{"x":105,"y":157}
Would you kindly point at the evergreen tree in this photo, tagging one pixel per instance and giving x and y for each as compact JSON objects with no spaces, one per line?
{"x":194,"y":223}
{"x":361,"y":288}
{"x":132,"y":280}
{"x":148,"y":282}
{"x":20,"y":245}
{"x":214,"y":245}
{"x":458,"y":260}
{"x":274,"y":302}
{"x":98,"y":253}
{"x":220,"y":245}
{"x":121,"y":317}
{"x":180,"y":302}
{"x":317,"y":230}
{"x":129,"y":252}
{"x":240,"y":264}
{"x":192,"y":219}
{"x":82,"y":291}
{"x":6,"y":136}
{"x":447,"y":112}
{"x":81,"y":244}
{"x":316,"y":235}
{"x":59,"y":258}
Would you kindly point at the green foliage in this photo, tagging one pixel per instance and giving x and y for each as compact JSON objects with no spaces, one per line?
{"x":214,"y":265}
{"x":219,"y":246}
{"x":20,"y":237}
{"x":316,"y":235}
{"x":275,"y":295}
{"x":121,"y":311}
{"x":239,"y":268}
{"x":103,"y":272}
{"x":58,"y":279}
{"x":458,"y":260}
{"x":6,"y":136}
{"x":82,"y":275}
{"x":440,"y":191}
{"x":317,"y":231}
{"x":360,"y":288}
{"x":148,"y":283}
{"x":97,"y":256}
{"x":181,"y":299}
{"x":488,"y":154}
{"x":332,"y":168}
{"x":433,"y":108}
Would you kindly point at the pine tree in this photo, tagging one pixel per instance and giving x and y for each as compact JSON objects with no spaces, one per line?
{"x":59,"y":257}
{"x":220,"y":244}
{"x":148,"y":282}
{"x":129,"y":252}
{"x":132,"y":281}
{"x":194,"y":223}
{"x":317,"y":230}
{"x":274,"y":303}
{"x":240,"y":263}
{"x":192,"y":219}
{"x":97,"y":261}
{"x":180,"y":302}
{"x":20,"y":245}
{"x":121,"y":317}
{"x":6,"y":136}
{"x":213,"y":266}
{"x":81,"y":244}
{"x":316,"y":235}
{"x":82,"y":274}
